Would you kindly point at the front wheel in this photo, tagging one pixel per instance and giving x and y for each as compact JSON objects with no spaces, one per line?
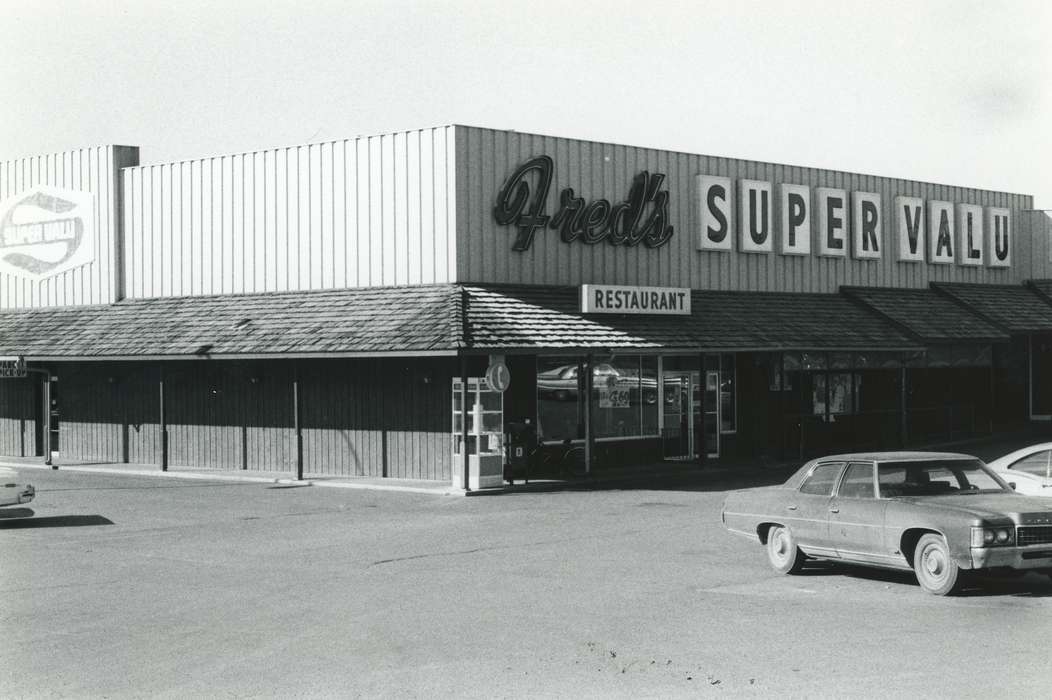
{"x":782,"y":552}
{"x":937,"y":572}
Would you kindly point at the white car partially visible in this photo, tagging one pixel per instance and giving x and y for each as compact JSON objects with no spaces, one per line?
{"x":12,"y":491}
{"x":1029,"y":469}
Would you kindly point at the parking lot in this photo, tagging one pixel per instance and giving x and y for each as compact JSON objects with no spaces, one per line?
{"x":124,"y":586}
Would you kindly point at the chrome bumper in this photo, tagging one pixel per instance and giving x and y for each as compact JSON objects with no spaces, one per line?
{"x":1033,"y":557}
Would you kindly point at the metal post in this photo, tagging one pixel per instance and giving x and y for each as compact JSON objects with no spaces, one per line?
{"x":902,"y":404}
{"x":465,"y":457}
{"x":162,"y":421}
{"x":589,"y":436}
{"x":296,"y":422}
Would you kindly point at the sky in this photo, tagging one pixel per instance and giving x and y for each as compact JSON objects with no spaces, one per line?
{"x":950,"y":92}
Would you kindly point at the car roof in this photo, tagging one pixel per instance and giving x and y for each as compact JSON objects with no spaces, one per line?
{"x":900,"y":456}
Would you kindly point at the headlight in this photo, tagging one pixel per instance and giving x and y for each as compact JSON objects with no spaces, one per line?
{"x":993,"y":536}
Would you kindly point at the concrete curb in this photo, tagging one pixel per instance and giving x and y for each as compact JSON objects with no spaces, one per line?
{"x":236,"y":479}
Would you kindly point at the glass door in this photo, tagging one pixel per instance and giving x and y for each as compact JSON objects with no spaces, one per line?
{"x":711,"y":421}
{"x":681,"y":422}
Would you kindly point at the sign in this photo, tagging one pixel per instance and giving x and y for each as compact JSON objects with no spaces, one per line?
{"x":609,"y":299}
{"x":45,"y":231}
{"x":498,"y":377}
{"x":839,"y":223}
{"x":614,"y":397}
{"x":12,"y":367}
{"x":642,"y":218}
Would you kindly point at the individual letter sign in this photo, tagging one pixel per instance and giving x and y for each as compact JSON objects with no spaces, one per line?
{"x":867,"y":231}
{"x":755,"y":216}
{"x":969,"y":234}
{"x":909,"y":215}
{"x":796,"y":220}
{"x":832,"y":221}
{"x":940,"y":233}
{"x":998,"y":237}
{"x":716,"y":221}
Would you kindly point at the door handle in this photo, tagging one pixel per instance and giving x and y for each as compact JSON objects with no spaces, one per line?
{"x":790,"y":507}
{"x":834,"y":510}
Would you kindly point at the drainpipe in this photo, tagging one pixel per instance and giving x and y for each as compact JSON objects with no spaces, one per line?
{"x":465,"y":457}
{"x":904,"y":423}
{"x":47,"y":413}
{"x":296,"y":421}
{"x":163,"y":421}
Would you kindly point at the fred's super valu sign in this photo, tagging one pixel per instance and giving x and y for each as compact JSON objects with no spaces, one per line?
{"x":835,"y":223}
{"x":610,"y":299}
{"x":45,"y":231}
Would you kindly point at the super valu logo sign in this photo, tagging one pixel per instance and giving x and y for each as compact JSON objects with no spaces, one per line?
{"x":45,"y":231}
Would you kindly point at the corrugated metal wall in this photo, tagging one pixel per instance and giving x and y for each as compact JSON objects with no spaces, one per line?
{"x":356,"y":213}
{"x":96,"y":170}
{"x":486,"y":158}
{"x":19,"y":415}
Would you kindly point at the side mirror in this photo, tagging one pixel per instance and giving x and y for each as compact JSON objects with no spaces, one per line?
{"x":1011,"y":485}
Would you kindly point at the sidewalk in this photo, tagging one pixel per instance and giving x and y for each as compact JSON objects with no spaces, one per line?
{"x":654,"y":475}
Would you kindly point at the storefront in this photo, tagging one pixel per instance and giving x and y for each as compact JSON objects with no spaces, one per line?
{"x":337,"y":308}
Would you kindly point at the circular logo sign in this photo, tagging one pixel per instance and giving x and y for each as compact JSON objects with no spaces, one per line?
{"x":498,"y":377}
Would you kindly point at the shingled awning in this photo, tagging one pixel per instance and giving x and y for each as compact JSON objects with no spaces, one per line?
{"x":370,"y":321}
{"x":526,"y":317}
{"x":1014,"y":308}
{"x":435,"y":320}
{"x":928,"y":315}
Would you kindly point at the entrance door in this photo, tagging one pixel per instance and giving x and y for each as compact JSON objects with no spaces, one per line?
{"x":681,"y":426}
{"x":711,"y":422}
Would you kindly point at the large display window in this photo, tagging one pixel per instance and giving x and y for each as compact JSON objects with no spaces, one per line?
{"x":624,"y":399}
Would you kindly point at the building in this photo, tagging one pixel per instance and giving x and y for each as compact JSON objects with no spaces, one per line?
{"x":320,"y":309}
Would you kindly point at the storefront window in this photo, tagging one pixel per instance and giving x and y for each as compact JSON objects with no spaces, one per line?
{"x":621,"y":398}
{"x":558,"y":412}
{"x":624,"y":397}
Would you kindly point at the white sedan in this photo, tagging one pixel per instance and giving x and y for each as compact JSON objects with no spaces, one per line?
{"x":1029,"y":469}
{"x":13,"y":493}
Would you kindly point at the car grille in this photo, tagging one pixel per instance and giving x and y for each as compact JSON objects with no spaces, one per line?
{"x":1034,"y":534}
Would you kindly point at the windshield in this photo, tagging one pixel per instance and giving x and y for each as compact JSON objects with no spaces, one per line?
{"x":936,"y":478}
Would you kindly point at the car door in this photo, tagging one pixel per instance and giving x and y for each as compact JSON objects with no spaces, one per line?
{"x":807,"y":509}
{"x":856,"y":516}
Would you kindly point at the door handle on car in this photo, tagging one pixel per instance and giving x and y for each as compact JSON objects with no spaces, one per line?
{"x":790,"y":507}
{"x":834,"y":510}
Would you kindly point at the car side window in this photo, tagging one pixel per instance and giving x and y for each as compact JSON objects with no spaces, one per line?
{"x":822,"y":479}
{"x":858,"y":481}
{"x":1037,"y":464}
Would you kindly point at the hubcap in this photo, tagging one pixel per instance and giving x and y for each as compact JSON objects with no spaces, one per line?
{"x":933,"y":563}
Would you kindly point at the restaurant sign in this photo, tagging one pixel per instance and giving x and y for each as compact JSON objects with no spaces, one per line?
{"x":45,"y":231}
{"x":610,"y":299}
{"x":641,"y":218}
{"x":12,"y":367}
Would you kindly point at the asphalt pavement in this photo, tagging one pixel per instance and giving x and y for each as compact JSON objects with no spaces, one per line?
{"x":126,"y":586}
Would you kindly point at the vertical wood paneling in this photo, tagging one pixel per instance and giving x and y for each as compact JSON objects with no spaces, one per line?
{"x":361,"y":212}
{"x":485,"y":158}
{"x":19,"y":415}
{"x":95,"y":170}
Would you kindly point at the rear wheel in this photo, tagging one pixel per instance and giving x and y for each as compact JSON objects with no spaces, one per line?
{"x":937,"y":572}
{"x":782,"y":552}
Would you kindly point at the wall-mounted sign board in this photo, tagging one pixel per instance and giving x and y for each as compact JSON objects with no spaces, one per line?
{"x":611,"y":299}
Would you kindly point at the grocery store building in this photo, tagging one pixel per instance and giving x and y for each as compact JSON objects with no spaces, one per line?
{"x":340,"y":308}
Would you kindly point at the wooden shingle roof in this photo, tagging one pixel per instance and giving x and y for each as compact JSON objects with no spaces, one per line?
{"x":927,"y":315}
{"x":1015,"y":308}
{"x":369,"y":320}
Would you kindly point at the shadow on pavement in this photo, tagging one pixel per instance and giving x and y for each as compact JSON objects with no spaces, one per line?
{"x":973,"y":586}
{"x":55,"y":521}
